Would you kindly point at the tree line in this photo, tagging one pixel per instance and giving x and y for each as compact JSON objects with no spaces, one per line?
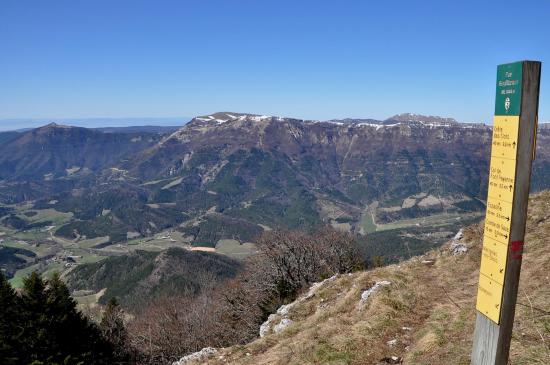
{"x":41,"y":325}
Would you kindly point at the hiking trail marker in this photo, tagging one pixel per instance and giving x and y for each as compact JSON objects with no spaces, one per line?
{"x":512,"y":152}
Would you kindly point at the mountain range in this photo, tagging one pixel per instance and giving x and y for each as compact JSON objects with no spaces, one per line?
{"x":407,"y":183}
{"x":231,"y":175}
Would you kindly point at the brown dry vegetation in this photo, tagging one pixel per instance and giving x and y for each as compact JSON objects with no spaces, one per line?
{"x":232,"y":312}
{"x":437,"y":303}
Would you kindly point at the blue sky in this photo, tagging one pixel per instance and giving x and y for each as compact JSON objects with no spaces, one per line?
{"x":306,"y":59}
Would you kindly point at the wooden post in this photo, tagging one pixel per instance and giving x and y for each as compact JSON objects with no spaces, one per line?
{"x":514,"y":136}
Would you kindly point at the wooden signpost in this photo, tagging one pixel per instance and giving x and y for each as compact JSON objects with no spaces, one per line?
{"x":513,"y":150}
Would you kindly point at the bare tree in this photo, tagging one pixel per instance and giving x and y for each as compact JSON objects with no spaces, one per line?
{"x":339,"y":249}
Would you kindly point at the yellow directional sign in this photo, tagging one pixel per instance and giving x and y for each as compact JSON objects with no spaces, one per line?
{"x":489,"y":298}
{"x":497,"y":220}
{"x":502,"y":175}
{"x":505,"y":136}
{"x":499,"y":210}
{"x":493,"y":260}
{"x":498,"y":217}
{"x":498,"y":231}
{"x":512,"y":154}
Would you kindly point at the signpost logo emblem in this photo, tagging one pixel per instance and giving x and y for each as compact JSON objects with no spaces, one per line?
{"x":507,"y":104}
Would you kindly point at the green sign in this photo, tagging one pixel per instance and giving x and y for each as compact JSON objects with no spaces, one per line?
{"x":508,"y":99}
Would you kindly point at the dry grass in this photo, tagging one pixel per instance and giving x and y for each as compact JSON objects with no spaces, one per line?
{"x":436,"y":302}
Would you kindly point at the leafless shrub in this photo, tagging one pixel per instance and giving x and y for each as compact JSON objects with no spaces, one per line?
{"x":296,"y":259}
{"x":339,"y":249}
{"x":287,"y":262}
{"x":171,"y":327}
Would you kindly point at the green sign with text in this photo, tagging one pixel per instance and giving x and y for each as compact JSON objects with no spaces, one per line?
{"x":508,"y":98}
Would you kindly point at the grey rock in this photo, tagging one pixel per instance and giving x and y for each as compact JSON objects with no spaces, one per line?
{"x":199,"y":355}
{"x":367,"y":293}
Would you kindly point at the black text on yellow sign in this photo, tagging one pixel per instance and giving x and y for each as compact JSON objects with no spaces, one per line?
{"x":500,"y":198}
{"x":497,"y":220}
{"x":505,"y":137}
{"x":502,"y":174}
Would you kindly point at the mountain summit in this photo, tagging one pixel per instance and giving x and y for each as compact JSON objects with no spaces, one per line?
{"x":422,"y":119}
{"x":55,"y":125}
{"x":223,"y":117}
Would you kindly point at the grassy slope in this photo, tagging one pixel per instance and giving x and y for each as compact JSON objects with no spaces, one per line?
{"x":437,"y":302}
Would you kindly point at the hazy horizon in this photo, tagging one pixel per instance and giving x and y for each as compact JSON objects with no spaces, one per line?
{"x":14,"y":124}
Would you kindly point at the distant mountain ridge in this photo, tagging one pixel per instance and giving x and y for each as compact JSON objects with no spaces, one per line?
{"x":405,"y":118}
{"x":230,"y":175}
{"x":55,"y":150}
